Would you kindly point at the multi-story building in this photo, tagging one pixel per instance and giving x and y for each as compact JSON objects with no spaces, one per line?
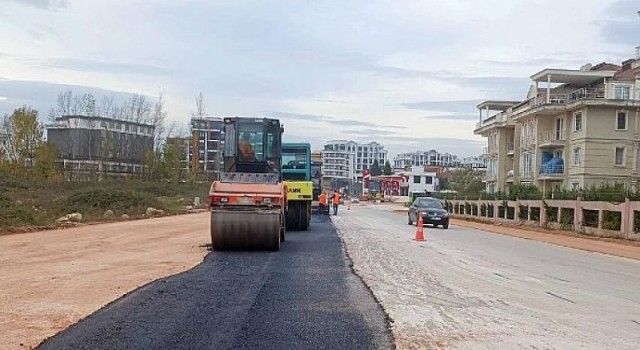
{"x":343,"y":163}
{"x":207,"y":144}
{"x":364,"y":154}
{"x":422,"y":158}
{"x":581,"y":129}
{"x":183,"y":147}
{"x":338,"y":169}
{"x":100,"y":145}
{"x":476,"y":163}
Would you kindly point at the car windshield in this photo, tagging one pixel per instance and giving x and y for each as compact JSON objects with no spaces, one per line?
{"x":428,"y":204}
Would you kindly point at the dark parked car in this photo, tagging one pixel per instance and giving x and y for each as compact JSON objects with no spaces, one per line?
{"x":432,"y":210}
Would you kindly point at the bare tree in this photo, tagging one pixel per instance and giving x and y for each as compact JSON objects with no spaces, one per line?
{"x":158,"y":119}
{"x":201,"y":107}
{"x":64,"y":102}
{"x":139,"y":108}
{"x":108,"y":107}
{"x":51,"y":116}
{"x":77,"y":105}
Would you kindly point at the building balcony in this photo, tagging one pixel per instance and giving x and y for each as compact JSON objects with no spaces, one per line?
{"x":499,"y":119}
{"x":490,"y":177}
{"x":551,"y":138}
{"x":488,"y":151}
{"x":551,"y":171}
{"x":551,"y":104}
{"x":528,"y":141}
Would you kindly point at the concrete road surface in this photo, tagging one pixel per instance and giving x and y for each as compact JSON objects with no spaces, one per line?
{"x":468,"y":289}
{"x":303,"y":297}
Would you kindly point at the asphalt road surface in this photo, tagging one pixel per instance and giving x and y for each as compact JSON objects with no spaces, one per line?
{"x":469,"y":289}
{"x":303,"y":297}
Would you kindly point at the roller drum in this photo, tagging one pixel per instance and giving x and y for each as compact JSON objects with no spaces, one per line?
{"x":245,"y":229}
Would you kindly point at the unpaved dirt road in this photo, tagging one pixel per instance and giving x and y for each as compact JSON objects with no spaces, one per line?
{"x":52,"y":279}
{"x":469,"y":289}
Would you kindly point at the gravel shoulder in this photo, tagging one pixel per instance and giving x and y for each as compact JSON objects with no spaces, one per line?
{"x":469,"y":289}
{"x":52,"y":279}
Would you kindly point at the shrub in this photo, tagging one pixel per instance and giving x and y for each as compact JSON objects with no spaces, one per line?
{"x":566,"y":218}
{"x":96,"y":200}
{"x":590,"y":218}
{"x":552,"y":214}
{"x":13,"y":215}
{"x":611,"y":220}
{"x":524,"y":192}
{"x":523,"y":214}
{"x":511,"y":212}
{"x":535,"y":213}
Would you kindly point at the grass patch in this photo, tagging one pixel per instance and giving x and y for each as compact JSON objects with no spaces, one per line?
{"x":39,"y":203}
{"x":15,"y":215}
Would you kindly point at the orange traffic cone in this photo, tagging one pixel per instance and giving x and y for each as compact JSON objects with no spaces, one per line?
{"x":420,"y":230}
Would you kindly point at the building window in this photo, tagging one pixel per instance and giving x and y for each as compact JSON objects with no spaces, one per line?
{"x":577,"y":121}
{"x":621,"y":120}
{"x":619,"y":156}
{"x":526,"y":167}
{"x":416,"y":179}
{"x":575,"y":186}
{"x":577,"y":156}
{"x":622,"y":92}
{"x":429,"y":180}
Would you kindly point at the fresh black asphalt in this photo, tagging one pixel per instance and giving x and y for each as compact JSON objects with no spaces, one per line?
{"x":303,"y":297}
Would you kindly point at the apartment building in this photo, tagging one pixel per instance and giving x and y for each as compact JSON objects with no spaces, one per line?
{"x":364,"y":154}
{"x":183,"y":147}
{"x":92,"y":145}
{"x":207,"y":144}
{"x":422,"y":158}
{"x":575,"y":129}
{"x":476,"y":163}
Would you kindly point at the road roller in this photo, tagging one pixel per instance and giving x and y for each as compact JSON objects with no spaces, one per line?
{"x":248,"y":201}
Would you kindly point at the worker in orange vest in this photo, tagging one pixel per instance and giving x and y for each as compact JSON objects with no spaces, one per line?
{"x":336,"y":202}
{"x":322,"y":199}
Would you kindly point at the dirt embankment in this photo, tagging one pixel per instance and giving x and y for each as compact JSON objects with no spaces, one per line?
{"x":52,"y":279}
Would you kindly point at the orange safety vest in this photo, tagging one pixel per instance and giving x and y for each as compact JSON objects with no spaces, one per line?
{"x":336,"y":198}
{"x":323,"y":199}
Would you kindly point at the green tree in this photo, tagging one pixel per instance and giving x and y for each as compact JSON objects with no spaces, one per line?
{"x":154,"y":165}
{"x":45,"y":162}
{"x":467,"y":181}
{"x":375,"y":168}
{"x":387,"y":168}
{"x":25,"y":135}
{"x":172,"y":162}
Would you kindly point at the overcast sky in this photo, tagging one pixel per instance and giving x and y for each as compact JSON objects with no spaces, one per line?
{"x":404,"y":73}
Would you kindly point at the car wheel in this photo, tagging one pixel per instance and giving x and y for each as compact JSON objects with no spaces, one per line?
{"x":445,"y":226}
{"x":410,"y":222}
